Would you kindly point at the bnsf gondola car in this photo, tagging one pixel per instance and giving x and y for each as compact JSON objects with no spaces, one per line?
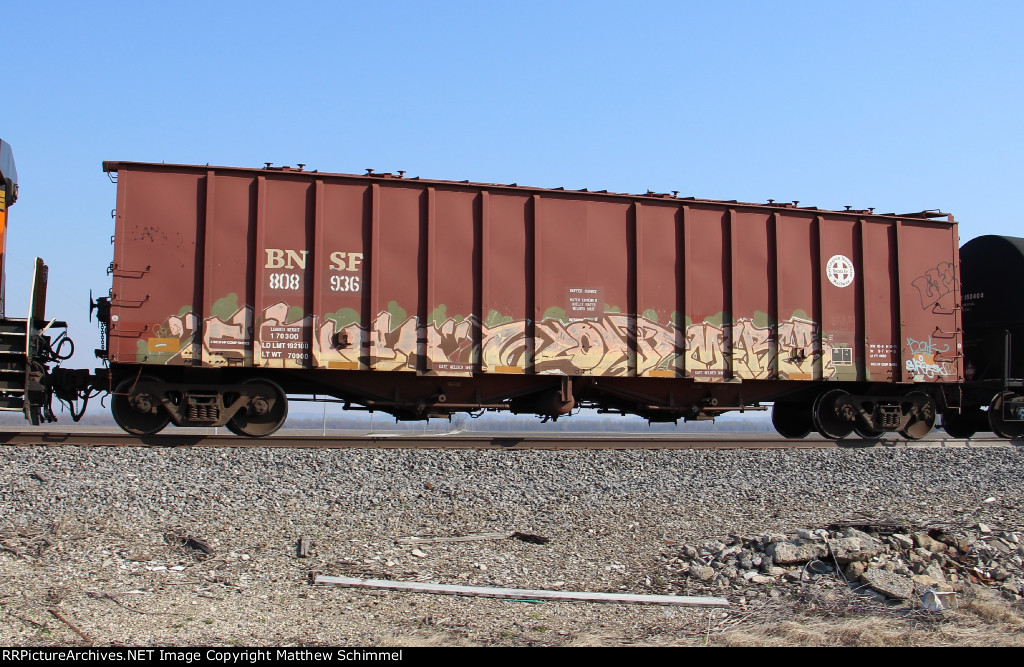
{"x":233,"y":288}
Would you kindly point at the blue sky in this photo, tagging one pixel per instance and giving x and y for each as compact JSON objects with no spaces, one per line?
{"x":901,"y":106}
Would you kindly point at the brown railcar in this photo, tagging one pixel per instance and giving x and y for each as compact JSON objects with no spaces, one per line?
{"x":233,"y":288}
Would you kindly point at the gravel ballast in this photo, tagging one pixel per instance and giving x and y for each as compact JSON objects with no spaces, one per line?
{"x":102,"y":536}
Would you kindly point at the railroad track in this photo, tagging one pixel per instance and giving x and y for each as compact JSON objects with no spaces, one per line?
{"x":91,"y":437}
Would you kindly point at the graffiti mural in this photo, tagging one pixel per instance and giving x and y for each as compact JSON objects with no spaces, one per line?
{"x":601,"y":347}
{"x":227,"y":334}
{"x":656,"y":348}
{"x":506,"y":347}
{"x":338,"y":341}
{"x":754,"y":353}
{"x":924,"y":363}
{"x":393,"y":342}
{"x":705,"y":350}
{"x":594,"y":346}
{"x":171,"y":341}
{"x":225,"y":339}
{"x":799,"y":341}
{"x":450,"y":345}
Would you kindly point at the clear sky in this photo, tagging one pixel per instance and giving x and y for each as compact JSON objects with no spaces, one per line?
{"x":902,"y":106}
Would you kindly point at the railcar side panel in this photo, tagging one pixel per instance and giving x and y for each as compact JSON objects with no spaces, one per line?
{"x":929,"y":295}
{"x":156,"y":288}
{"x":754,"y":330}
{"x":285,"y":273}
{"x":881,"y":312}
{"x":584,"y":249}
{"x":660,"y":330}
{"x":507,"y":283}
{"x":840,"y":322}
{"x":398,"y":257}
{"x":341,"y":290}
{"x":799,"y":339}
{"x":229,"y":270}
{"x":453,"y":268}
{"x":708,"y":267}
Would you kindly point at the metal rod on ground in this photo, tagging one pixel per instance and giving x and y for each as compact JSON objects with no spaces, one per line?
{"x":522,"y":593}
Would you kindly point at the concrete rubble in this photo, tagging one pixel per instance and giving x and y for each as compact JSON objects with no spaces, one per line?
{"x":900,"y":563}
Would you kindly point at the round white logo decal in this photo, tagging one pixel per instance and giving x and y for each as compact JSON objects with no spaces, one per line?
{"x":839,"y":270}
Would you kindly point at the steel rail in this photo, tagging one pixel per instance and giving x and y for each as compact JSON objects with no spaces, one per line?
{"x":625,"y":441}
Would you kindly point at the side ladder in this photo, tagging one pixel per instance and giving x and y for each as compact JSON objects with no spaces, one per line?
{"x":17,"y":381}
{"x":24,"y":355}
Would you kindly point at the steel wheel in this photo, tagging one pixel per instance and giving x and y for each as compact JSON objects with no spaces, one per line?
{"x":829,"y":421}
{"x":792,"y":420}
{"x":1001,"y":426}
{"x":922,"y":423}
{"x":266,"y":412}
{"x":138,"y":413}
{"x":961,"y":424}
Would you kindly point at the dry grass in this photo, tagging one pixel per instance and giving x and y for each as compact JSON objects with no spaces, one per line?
{"x":993,"y":612}
{"x":590,"y":639}
{"x":980,"y":621}
{"x":829,"y":632}
{"x":829,"y":616}
{"x":874,"y":632}
{"x":432,"y":639}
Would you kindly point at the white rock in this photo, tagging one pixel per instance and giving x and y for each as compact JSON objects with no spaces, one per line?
{"x":905,"y":541}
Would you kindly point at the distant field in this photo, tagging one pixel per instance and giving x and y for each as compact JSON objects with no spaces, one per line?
{"x":584,"y":422}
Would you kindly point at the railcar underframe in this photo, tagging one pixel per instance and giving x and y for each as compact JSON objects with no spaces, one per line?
{"x":253,"y":402}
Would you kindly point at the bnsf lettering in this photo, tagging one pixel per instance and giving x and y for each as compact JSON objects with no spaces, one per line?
{"x":338,"y":262}
{"x":286,"y":259}
{"x":278,"y":258}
